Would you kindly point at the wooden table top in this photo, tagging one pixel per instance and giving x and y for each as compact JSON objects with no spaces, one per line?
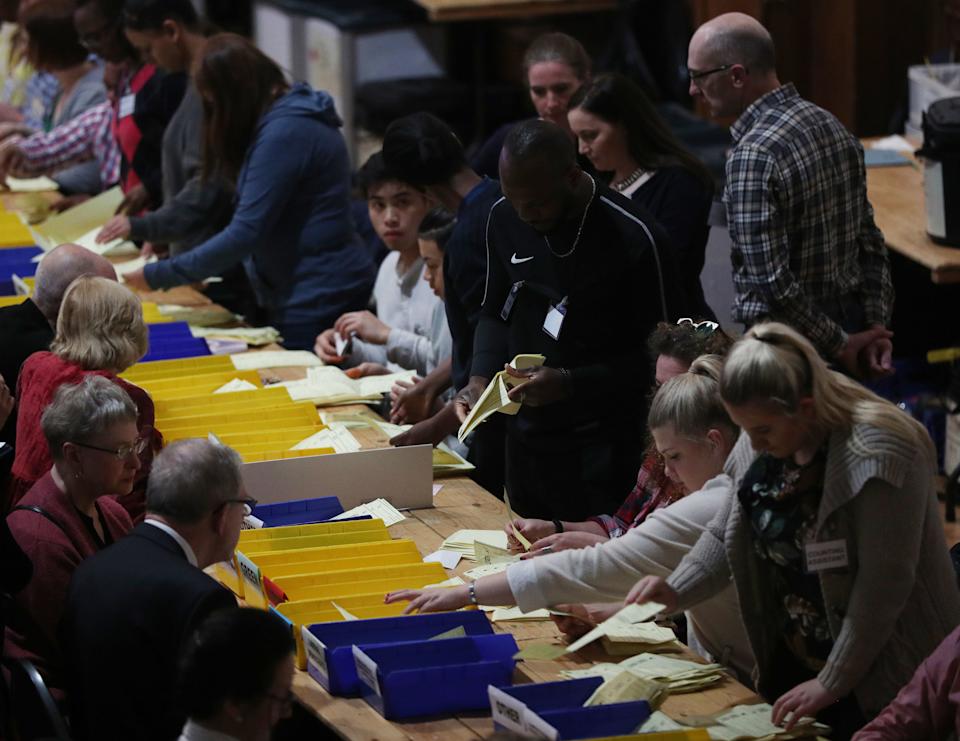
{"x":896,"y":194}
{"x":477,"y":10}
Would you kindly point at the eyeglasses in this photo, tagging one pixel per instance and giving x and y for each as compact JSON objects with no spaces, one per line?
{"x":704,"y":327}
{"x":694,"y":75}
{"x":123,"y":452}
{"x":248,"y":504}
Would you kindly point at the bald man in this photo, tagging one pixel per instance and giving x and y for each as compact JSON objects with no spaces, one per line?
{"x":29,"y":327}
{"x":575,"y":272}
{"x":805,"y":249}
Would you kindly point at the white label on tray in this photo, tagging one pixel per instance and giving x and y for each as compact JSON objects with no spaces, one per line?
{"x":250,"y":573}
{"x":366,"y":670}
{"x":507,"y":711}
{"x":537,"y":727}
{"x":316,"y":651}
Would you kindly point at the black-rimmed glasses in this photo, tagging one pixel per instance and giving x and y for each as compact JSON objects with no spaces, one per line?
{"x":121,"y":453}
{"x":695,"y":75}
{"x":248,"y":504}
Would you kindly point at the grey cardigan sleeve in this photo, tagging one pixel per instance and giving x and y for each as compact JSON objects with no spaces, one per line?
{"x":186,"y":214}
{"x":704,"y":571}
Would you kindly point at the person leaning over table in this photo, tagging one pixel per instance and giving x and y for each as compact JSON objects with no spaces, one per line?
{"x":100,"y":331}
{"x":291,"y":229}
{"x":578,"y":274}
{"x":805,"y":249}
{"x":833,"y":539}
{"x":693,"y":432}
{"x":71,"y":513}
{"x":236,"y":673}
{"x":673,"y":347}
{"x":133,"y":606}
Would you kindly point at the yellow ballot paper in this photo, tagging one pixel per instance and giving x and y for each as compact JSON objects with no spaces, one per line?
{"x":343,"y":613}
{"x":521,"y":538}
{"x":628,"y":687}
{"x":31,"y":185}
{"x":495,"y":397}
{"x":622,"y":623}
{"x":458,"y":632}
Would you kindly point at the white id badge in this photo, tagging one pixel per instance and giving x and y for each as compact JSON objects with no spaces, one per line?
{"x":554,"y":321}
{"x":831,"y":554}
{"x":127,"y":104}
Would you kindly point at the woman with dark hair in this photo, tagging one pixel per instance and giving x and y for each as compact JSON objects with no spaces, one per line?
{"x":291,"y":228}
{"x":620,"y":131}
{"x":235,"y":676}
{"x":123,"y":137}
{"x":423,"y":151}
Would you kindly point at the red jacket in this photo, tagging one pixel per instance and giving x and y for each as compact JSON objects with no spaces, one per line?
{"x":41,"y":375}
{"x":55,"y":554}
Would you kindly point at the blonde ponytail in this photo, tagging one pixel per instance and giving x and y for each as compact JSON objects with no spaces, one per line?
{"x":776,"y":364}
{"x":691,"y":401}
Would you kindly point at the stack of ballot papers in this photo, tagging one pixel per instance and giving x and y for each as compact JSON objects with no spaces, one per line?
{"x":464,"y":542}
{"x":446,"y":461}
{"x":30,"y":185}
{"x":641,"y":638}
{"x":275,"y":359}
{"x":740,"y":722}
{"x":335,"y":436}
{"x":679,"y":675}
{"x":495,"y":397}
{"x":628,"y":687}
{"x":249,"y":335}
{"x":328,"y":385}
{"x":515,"y":614}
{"x":379,"y":509}
{"x":198,"y":316}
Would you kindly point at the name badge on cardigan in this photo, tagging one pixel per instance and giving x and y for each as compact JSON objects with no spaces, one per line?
{"x":127,"y":105}
{"x":831,"y":554}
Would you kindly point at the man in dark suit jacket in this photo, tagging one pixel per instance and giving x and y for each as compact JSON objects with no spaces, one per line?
{"x":28,"y":327}
{"x":132,"y":605}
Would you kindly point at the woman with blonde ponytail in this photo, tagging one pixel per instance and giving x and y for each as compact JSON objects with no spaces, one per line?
{"x":833,"y":538}
{"x":695,"y":435}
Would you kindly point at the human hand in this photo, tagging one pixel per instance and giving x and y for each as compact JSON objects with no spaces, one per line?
{"x":468,"y":396}
{"x":583,"y":618}
{"x":363,"y":324}
{"x":542,"y":386}
{"x":530,"y":528}
{"x":653,"y":589}
{"x":136,"y":281}
{"x":876,"y":359}
{"x":849,"y":356}
{"x":414,"y":402}
{"x":14,"y":128}
{"x":565,"y":541}
{"x":134,"y":201}
{"x":423,"y":433}
{"x":117,"y":228}
{"x":68,"y":202}
{"x":805,"y":699}
{"x":367,"y":369}
{"x":325,"y":348}
{"x":436,"y":599}
{"x":11,"y":158}
{"x":6,"y":402}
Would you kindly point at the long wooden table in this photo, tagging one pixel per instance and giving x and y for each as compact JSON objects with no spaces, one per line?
{"x":474,"y":10}
{"x":462,"y":504}
{"x":896,"y":194}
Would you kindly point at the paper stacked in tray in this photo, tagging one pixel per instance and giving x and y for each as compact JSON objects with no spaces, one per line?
{"x":463,"y":541}
{"x":679,"y":675}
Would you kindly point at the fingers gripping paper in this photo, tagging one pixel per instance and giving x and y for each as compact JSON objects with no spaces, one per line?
{"x":495,"y":398}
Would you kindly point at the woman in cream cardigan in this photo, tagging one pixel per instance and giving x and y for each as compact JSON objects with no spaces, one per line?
{"x":833,"y":539}
{"x":693,"y":432}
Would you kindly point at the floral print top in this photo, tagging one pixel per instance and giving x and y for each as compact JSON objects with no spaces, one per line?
{"x":781,"y":499}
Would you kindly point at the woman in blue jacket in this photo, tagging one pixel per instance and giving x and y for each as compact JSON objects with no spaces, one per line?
{"x":291,"y":228}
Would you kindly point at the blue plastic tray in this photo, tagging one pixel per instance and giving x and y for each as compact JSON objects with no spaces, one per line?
{"x":598,"y":721}
{"x":509,"y":704}
{"x":298,"y":511}
{"x":329,"y":646}
{"x":411,"y":680}
{"x":18,"y":254}
{"x":164,"y":349}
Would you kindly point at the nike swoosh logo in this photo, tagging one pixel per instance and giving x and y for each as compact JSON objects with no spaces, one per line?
{"x":517,"y":260}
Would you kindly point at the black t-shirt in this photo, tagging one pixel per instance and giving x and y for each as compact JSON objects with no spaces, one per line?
{"x":618,"y":283}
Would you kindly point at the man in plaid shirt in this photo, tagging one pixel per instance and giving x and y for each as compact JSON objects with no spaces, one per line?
{"x":805,"y":249}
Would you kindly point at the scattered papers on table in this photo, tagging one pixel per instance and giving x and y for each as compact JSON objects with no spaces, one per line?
{"x":453,"y":581}
{"x":488,"y":569}
{"x":328,"y":385}
{"x":198,"y":315}
{"x":660,"y":722}
{"x":114,"y":247}
{"x":464,"y":540}
{"x":349,"y":419}
{"x":641,"y":638}
{"x":446,"y":461}
{"x":31,"y":185}
{"x":625,"y":622}
{"x":628,"y":687}
{"x":125,"y":268}
{"x":751,"y":722}
{"x":379,"y":509}
{"x":895,"y":143}
{"x":275,"y":359}
{"x":447,"y":559}
{"x":249,"y":335}
{"x":679,"y":675}
{"x":495,"y":397}
{"x":237,"y":384}
{"x":437,"y":488}
{"x":335,"y":436}
{"x":502,"y":614}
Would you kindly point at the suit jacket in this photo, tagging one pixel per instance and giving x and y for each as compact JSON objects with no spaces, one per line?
{"x":23,"y":331}
{"x":129,"y":610}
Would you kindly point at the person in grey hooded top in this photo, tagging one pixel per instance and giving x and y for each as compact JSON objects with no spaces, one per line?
{"x":291,"y":226}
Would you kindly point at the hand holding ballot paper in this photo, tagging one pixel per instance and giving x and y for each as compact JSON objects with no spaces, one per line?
{"x":496,"y":397}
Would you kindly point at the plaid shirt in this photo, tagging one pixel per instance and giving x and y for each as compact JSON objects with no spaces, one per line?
{"x":88,"y":136}
{"x":802,"y":229}
{"x":654,"y":490}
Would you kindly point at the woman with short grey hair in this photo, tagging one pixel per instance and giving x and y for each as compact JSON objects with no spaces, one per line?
{"x":71,"y":512}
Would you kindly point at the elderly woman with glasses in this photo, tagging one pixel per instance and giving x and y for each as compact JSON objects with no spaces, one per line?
{"x":100,"y":331}
{"x":70,"y":513}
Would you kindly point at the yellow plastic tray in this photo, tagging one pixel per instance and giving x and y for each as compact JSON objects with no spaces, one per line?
{"x":364,"y":581}
{"x":240,"y":401}
{"x":178,"y":368}
{"x":266,"y":534}
{"x":188,"y":386}
{"x":398,"y":547}
{"x":294,"y":414}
